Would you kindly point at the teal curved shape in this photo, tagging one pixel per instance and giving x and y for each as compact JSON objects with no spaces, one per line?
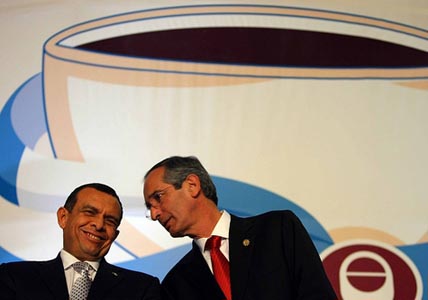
{"x":11,"y":150}
{"x":6,"y":256}
{"x":418,"y":254}
{"x":243,"y":200}
{"x":22,"y":123}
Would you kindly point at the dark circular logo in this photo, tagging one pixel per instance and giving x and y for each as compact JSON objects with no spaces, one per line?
{"x":371,"y":270}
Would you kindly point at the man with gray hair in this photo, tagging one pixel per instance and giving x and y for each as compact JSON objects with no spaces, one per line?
{"x":264,"y":257}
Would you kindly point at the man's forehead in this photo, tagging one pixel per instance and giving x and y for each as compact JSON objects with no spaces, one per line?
{"x":89,"y":193}
{"x":155,"y":176}
{"x":94,"y":197}
{"x":153,"y":180}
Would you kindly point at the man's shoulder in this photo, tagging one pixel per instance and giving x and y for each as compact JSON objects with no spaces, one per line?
{"x":116,"y":270}
{"x":187,"y":259}
{"x":273,"y":214}
{"x":185,"y":264}
{"x":26,"y":267}
{"x":26,"y":263}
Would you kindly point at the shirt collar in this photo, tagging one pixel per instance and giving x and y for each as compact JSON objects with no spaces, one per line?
{"x":68,"y":259}
{"x":220,"y":229}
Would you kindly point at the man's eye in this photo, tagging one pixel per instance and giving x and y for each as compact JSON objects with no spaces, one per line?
{"x":111,"y":222}
{"x":157,"y":197}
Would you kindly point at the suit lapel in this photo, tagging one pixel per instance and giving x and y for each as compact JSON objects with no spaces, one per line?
{"x":241,"y":245}
{"x":52,"y":273}
{"x":106,"y":279}
{"x":198,"y":272}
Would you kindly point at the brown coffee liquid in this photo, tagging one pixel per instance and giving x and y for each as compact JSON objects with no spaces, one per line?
{"x":262,"y":47}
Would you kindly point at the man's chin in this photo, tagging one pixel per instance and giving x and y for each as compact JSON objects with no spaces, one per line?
{"x":175,"y":234}
{"x":95,"y":254}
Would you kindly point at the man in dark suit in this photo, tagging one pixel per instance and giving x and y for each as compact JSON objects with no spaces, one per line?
{"x":271,"y":256}
{"x":90,"y":220}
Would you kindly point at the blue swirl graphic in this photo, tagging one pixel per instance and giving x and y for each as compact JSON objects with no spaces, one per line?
{"x":23,"y":122}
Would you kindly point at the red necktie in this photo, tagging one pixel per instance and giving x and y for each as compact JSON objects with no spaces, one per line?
{"x":220,"y":265}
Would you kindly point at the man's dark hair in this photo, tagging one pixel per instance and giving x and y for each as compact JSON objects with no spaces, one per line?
{"x":72,"y":198}
{"x":177,"y":168}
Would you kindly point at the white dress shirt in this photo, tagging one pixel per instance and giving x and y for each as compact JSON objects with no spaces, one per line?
{"x":220,"y":229}
{"x":70,"y":274}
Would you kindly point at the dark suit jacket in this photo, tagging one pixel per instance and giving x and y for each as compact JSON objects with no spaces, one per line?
{"x":280,"y":262}
{"x":46,"y":280}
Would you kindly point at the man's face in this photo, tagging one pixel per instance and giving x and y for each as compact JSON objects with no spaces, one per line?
{"x":91,"y":227}
{"x":172,"y":208}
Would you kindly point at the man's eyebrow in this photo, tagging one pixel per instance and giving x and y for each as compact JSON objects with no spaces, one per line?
{"x":96,"y":210}
{"x":88,"y":206}
{"x":154,"y":193}
{"x":111,"y":217}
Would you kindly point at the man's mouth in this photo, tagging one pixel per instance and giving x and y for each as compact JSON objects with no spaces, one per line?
{"x":165,"y":223}
{"x":93,"y":237}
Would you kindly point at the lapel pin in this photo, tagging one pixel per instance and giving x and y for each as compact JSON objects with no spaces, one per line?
{"x":246,"y":242}
{"x":114,"y":273}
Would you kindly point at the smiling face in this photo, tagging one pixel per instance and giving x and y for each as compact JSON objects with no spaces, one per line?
{"x":90,"y":227}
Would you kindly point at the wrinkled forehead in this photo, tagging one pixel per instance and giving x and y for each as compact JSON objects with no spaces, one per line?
{"x":153,"y":181}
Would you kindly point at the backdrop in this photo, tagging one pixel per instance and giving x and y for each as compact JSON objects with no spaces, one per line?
{"x":315,"y":107}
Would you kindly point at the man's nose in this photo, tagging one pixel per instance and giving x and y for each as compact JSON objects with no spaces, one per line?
{"x":155,"y":213}
{"x":98,"y":221}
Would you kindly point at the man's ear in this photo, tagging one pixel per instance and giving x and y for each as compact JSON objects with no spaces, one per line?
{"x":62,"y":216}
{"x":194,"y":185}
